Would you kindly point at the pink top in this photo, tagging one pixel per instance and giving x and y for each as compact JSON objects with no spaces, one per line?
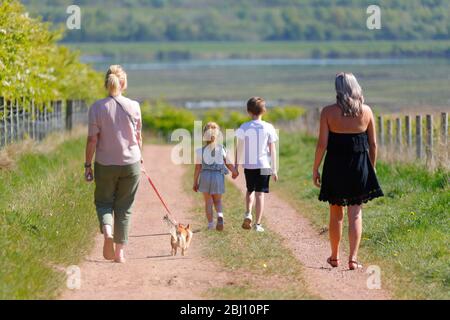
{"x":117,"y":138}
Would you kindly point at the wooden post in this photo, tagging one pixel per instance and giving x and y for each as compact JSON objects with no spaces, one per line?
{"x":419,"y":137}
{"x":380,"y":131}
{"x":33,"y":120}
{"x":444,"y":128}
{"x":408,"y":132}
{"x":3,"y":128}
{"x":398,"y":133}
{"x":429,"y":147}
{"x":69,"y":113}
{"x":389,"y":132}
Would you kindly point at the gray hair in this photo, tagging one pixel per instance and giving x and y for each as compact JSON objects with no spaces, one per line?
{"x":349,"y":95}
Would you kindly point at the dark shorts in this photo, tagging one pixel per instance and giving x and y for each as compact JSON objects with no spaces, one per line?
{"x":257,"y":180}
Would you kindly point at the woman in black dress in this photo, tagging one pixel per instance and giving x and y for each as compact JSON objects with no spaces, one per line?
{"x":347,"y":134}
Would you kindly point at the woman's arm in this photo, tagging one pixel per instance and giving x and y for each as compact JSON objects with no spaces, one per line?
{"x":91,"y":144}
{"x":198,"y":168}
{"x":372,"y":140}
{"x":322,"y":144}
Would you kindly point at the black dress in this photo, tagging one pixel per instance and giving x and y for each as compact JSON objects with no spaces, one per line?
{"x":348,"y":177}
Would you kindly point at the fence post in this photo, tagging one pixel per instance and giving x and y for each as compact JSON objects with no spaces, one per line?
{"x":398,"y":133}
{"x":2,"y":132}
{"x":380,"y":131}
{"x":69,"y":113}
{"x":408,"y":131}
{"x":419,"y":137}
{"x":33,"y":120}
{"x":429,"y":147}
{"x":444,"y":128}
{"x":389,"y":132}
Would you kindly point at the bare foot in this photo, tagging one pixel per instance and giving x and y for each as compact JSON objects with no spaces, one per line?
{"x":108,"y":248}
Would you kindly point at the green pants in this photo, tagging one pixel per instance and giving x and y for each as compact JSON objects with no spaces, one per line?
{"x":115,"y":189}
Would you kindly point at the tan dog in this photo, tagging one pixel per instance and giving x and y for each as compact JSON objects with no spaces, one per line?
{"x":180,"y":236}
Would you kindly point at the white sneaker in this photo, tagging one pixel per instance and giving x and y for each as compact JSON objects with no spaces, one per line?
{"x":259,"y":228}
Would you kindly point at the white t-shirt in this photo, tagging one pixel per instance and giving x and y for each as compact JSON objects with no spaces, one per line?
{"x":256,"y":135}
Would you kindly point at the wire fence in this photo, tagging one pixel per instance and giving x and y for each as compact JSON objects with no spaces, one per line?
{"x":21,"y":119}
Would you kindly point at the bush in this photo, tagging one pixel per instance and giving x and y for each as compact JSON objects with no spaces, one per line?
{"x":32,"y":65}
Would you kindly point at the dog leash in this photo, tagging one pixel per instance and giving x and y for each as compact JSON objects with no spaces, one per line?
{"x":157,"y":193}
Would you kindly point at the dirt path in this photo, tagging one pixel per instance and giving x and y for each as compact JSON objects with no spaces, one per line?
{"x":150,"y":271}
{"x":312,"y":250}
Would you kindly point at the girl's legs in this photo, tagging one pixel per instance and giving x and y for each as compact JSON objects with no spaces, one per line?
{"x":209,"y":208}
{"x":335,"y":231}
{"x":354,"y":230}
{"x":217,"y":199}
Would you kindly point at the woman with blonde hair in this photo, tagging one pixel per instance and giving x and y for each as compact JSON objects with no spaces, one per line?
{"x":347,"y":134}
{"x":115,"y":137}
{"x":210,"y":170}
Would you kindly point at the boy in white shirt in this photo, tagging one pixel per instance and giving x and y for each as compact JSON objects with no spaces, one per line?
{"x":256,"y":151}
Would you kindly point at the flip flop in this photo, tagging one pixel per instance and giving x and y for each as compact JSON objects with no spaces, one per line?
{"x":333,"y":262}
{"x":247,"y":225}
{"x":351,"y":264}
{"x":219,"y":226}
{"x":108,"y":249}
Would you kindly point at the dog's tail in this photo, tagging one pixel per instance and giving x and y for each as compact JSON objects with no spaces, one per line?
{"x":172,"y":225}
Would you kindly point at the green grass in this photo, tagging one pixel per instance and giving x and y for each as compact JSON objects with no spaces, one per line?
{"x":147,"y":51}
{"x":266,"y":269}
{"x":405,"y":232}
{"x":47,"y":221}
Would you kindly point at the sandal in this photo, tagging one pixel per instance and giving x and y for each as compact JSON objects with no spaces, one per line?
{"x":219,"y":226}
{"x":352,"y":263}
{"x":333,"y":262}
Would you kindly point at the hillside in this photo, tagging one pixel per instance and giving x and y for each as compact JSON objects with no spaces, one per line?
{"x":248,"y":20}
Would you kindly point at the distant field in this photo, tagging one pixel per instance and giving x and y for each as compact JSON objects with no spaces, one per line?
{"x":388,"y":87}
{"x":145,"y":51}
{"x":234,"y":71}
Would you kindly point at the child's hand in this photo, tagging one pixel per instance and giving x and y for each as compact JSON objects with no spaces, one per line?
{"x":195,"y":187}
{"x":234,"y":174}
{"x":275,"y":176}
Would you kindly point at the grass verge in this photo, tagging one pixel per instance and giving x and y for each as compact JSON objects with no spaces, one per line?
{"x":405,"y":232}
{"x":264,"y":268}
{"x":47,"y":221}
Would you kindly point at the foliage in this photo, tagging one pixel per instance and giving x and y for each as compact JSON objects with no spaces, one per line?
{"x":163,"y":118}
{"x":33,"y":66}
{"x":250,"y":20}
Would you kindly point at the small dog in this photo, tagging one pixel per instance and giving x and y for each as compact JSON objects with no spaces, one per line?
{"x":180,"y":236}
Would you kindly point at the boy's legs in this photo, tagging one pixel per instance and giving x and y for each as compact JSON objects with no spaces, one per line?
{"x":259,"y":206}
{"x":126,"y":189}
{"x":249,"y":201}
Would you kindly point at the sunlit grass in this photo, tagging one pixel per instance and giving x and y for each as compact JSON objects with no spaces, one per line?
{"x":47,"y":221}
